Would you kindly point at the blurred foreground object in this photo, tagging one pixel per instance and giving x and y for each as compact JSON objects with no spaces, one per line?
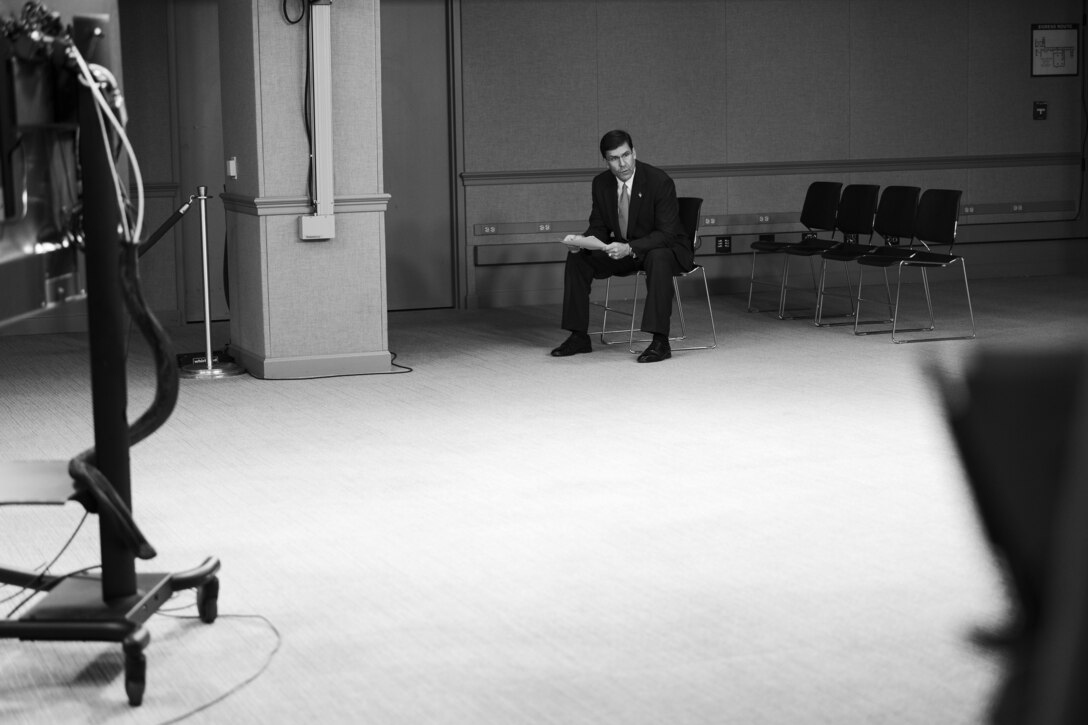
{"x":1020,"y":421}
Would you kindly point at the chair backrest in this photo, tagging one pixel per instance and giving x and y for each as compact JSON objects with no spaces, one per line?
{"x":690,"y":207}
{"x":895,"y":214}
{"x":821,"y":205}
{"x":857,"y":209}
{"x":937,"y":217}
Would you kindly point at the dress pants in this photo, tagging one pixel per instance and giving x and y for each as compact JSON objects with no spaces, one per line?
{"x":582,"y":268}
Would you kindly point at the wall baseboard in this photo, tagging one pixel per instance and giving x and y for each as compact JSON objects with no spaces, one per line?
{"x":313,"y":366}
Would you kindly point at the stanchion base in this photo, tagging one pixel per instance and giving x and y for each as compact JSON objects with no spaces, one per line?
{"x":217,"y":370}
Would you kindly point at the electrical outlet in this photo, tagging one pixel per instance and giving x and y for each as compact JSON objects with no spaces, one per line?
{"x":1038,"y":110}
{"x":723,"y":244}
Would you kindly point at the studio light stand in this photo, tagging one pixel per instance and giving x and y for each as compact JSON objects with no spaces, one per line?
{"x":113,"y":604}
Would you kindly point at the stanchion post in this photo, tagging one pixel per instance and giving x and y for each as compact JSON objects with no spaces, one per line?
{"x":202,"y":195}
{"x":210,"y":368}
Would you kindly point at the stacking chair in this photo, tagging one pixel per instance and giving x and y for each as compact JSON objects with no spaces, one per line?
{"x":817,"y":215}
{"x":894,"y":223}
{"x":935,"y":224}
{"x":854,"y":218}
{"x":690,"y":208}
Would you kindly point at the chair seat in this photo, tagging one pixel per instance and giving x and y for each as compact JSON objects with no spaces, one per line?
{"x":931,"y":259}
{"x":810,"y":247}
{"x":848,"y":251}
{"x":769,"y":246}
{"x":886,"y":256}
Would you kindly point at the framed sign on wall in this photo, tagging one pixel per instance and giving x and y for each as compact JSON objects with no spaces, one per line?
{"x":1055,"y":49}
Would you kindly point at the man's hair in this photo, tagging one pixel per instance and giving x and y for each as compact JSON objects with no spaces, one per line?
{"x":615,"y":139}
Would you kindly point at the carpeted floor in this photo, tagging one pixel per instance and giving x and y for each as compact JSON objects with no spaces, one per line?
{"x":773,"y":532}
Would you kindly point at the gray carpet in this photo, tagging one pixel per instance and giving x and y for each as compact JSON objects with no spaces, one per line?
{"x":775,"y":531}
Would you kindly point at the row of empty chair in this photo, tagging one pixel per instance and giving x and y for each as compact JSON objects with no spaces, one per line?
{"x":916,"y":230}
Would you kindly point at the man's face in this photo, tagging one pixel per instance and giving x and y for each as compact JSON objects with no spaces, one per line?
{"x":621,"y":161}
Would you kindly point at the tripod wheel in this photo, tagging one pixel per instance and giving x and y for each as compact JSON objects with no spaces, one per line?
{"x":207,"y":600}
{"x":135,"y":676}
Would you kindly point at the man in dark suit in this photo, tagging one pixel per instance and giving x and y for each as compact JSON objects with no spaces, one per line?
{"x":634,"y":224}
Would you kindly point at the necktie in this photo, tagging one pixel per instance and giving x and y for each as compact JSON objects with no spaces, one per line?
{"x":625,"y":202}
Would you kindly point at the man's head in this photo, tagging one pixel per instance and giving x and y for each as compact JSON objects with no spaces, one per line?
{"x":618,"y":150}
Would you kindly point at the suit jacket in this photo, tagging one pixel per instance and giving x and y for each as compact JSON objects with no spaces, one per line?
{"x":654,"y":215}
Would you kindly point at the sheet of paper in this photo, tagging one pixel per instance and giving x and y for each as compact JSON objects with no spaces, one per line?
{"x":586,"y":243}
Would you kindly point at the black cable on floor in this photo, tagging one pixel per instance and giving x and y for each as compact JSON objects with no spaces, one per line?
{"x":44,"y":572}
{"x":244,"y":683}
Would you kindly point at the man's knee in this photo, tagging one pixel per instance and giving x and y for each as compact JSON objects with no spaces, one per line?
{"x":661,"y":260}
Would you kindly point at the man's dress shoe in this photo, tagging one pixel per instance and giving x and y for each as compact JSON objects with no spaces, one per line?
{"x":656,"y":352}
{"x":573,"y":345}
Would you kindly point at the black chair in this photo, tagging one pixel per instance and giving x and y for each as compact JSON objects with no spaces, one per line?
{"x":690,"y":208}
{"x":854,"y":218}
{"x":894,"y":223}
{"x":817,"y":215}
{"x":935,"y":224}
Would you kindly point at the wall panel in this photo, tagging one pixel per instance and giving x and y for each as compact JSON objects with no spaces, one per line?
{"x":498,"y":203}
{"x":281,"y":67}
{"x":148,"y":94}
{"x":248,"y":268}
{"x":306,"y":284}
{"x":529,"y":84}
{"x":356,"y":127}
{"x":1002,"y":89}
{"x":787,"y":80}
{"x":1013,"y":195}
{"x":661,"y":75}
{"x":908,"y":78}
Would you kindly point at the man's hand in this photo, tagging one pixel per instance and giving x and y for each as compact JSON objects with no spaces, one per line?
{"x":618,"y":250}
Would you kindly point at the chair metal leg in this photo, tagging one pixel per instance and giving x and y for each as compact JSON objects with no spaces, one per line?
{"x":634,"y":311}
{"x":680,"y":313}
{"x":607,"y":309}
{"x":857,"y":313}
{"x":887,"y":300}
{"x":784,"y":288}
{"x":818,"y":318}
{"x":710,"y":314}
{"x":604,"y":321}
{"x":967,"y":291}
{"x":932,"y":322}
{"x":752,"y":281}
{"x":888,"y":296}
